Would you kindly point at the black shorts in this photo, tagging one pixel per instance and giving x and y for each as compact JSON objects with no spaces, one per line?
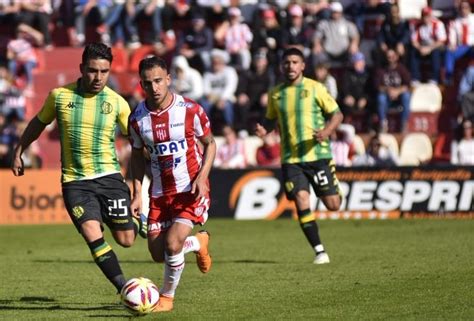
{"x":105,"y":199}
{"x":321,"y":175}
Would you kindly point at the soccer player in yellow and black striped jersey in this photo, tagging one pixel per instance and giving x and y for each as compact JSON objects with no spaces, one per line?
{"x":94,"y":191}
{"x":306,"y":116}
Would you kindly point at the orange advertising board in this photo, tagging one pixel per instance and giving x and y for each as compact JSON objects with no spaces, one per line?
{"x":34,"y":198}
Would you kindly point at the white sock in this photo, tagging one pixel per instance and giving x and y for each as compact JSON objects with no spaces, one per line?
{"x":174,"y":266}
{"x":319,"y":248}
{"x":191,"y":244}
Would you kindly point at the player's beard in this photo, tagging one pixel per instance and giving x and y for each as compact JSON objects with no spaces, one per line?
{"x":160,"y":102}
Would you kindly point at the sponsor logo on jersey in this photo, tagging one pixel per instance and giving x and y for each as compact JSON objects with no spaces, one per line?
{"x":170,"y":148}
{"x":156,"y":227}
{"x":177,"y":125}
{"x":71,"y":105}
{"x":106,"y":108}
{"x":185,"y":104}
{"x":171,"y":163}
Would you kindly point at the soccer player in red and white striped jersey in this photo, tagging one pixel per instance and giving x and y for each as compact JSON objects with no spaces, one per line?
{"x":169,"y":128}
{"x":461,"y":38}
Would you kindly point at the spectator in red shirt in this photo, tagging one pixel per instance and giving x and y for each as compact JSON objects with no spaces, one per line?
{"x":269,"y":153}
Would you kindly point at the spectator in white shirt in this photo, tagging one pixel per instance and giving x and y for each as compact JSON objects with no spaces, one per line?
{"x":186,"y":81}
{"x":337,"y":38}
{"x":323,"y":75}
{"x":462,"y":150}
{"x":220,"y":85}
{"x":376,"y":155}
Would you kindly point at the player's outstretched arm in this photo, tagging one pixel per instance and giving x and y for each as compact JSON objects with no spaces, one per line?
{"x":137,"y":165}
{"x":31,"y":133}
{"x":200,"y":186}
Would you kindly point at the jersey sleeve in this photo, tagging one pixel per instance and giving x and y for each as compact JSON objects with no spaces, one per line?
{"x":124,"y":113}
{"x":48,"y":112}
{"x":202,"y":125}
{"x":271,"y":106}
{"x":327,"y":103}
{"x":134,"y":136}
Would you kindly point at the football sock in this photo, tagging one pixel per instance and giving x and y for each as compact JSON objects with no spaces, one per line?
{"x":174,"y":266}
{"x":191,"y":244}
{"x":136,"y":225}
{"x":107,"y":261}
{"x":310,"y":229}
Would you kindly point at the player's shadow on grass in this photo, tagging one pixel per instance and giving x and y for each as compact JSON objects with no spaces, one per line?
{"x":242,"y":261}
{"x":247,"y":261}
{"x":91,"y":262}
{"x":31,"y":303}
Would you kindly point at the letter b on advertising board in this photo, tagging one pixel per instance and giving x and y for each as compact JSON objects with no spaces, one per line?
{"x":32,"y":198}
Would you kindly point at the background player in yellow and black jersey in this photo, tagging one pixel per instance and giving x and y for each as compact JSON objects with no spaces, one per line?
{"x":94,"y":191}
{"x":306,"y":115}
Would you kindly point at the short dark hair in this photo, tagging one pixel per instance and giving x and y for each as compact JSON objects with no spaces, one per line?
{"x":292,"y":51}
{"x":97,"y":50}
{"x":150,"y":62}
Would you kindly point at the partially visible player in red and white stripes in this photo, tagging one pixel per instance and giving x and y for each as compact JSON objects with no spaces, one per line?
{"x":167,"y":127}
{"x":461,"y":38}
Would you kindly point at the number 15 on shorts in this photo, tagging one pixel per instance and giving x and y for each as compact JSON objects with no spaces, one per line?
{"x":321,"y":179}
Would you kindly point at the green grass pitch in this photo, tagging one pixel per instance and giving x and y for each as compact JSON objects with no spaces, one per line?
{"x":379,"y":270}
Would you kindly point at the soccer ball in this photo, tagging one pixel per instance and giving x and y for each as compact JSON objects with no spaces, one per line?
{"x":140,"y":296}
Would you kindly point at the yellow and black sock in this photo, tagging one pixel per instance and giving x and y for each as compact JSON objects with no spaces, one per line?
{"x":310,"y":227}
{"x":107,"y":261}
{"x":136,"y":225}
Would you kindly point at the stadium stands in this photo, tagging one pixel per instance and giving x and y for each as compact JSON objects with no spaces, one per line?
{"x":411,"y":9}
{"x":251,"y":145}
{"x":426,"y":98}
{"x":359,"y":145}
{"x":425,"y":106}
{"x":390,"y":142}
{"x":415,"y":149}
{"x":434,"y":109}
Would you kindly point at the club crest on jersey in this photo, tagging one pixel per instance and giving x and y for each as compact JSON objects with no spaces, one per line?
{"x":106,"y":108}
{"x":160,"y":130}
{"x":161,"y":134}
{"x":304,"y":93}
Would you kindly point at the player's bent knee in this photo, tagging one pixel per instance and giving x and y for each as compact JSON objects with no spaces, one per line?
{"x":173,"y":247}
{"x":126,"y":243}
{"x":332,"y":203}
{"x":333,"y":207}
{"x":125,"y":239}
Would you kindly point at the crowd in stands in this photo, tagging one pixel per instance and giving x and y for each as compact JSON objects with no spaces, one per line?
{"x":225,"y":54}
